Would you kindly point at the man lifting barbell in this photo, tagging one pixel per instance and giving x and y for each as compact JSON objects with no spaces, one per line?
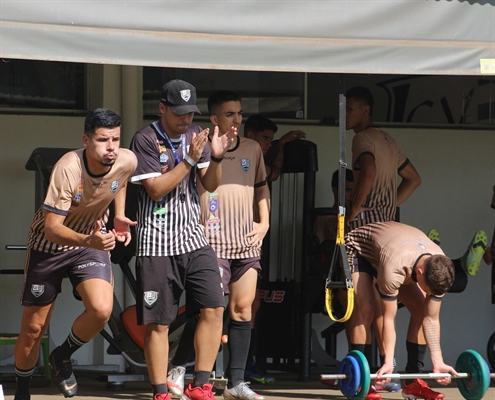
{"x":408,"y":267}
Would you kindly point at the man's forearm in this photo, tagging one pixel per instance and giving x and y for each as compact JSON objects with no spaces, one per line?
{"x":277,"y":163}
{"x":119,"y":201}
{"x":431,"y":329}
{"x":262,"y":198}
{"x":211,"y":179}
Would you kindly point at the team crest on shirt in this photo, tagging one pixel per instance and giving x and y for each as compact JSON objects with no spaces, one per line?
{"x":37,"y":290}
{"x":245,"y":164}
{"x":185,"y":94}
{"x":114,"y":186}
{"x":76,"y":199}
{"x":163,"y":158}
{"x":150,"y":297}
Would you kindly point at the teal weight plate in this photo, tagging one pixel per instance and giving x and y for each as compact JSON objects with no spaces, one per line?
{"x":365,"y":374}
{"x":475,"y":386}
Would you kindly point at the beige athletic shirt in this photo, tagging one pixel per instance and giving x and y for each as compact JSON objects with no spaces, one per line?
{"x":393,"y":249}
{"x":83,"y":199}
{"x":389,"y":161}
{"x":227,"y":214}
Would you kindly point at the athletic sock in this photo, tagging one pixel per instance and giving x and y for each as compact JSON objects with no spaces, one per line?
{"x":159,"y":389}
{"x":200,"y":378}
{"x":239,"y":339}
{"x":70,"y":346}
{"x":185,"y":351}
{"x":394,"y":363}
{"x":415,"y":358}
{"x":365,"y":349}
{"x":23,"y":380}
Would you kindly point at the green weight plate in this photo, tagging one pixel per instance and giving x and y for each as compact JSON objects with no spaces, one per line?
{"x":474,"y":387}
{"x":365,"y":374}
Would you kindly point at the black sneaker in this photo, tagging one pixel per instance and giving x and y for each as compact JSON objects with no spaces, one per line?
{"x":66,"y":381}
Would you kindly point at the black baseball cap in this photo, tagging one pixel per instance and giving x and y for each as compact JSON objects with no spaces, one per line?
{"x":180,"y":96}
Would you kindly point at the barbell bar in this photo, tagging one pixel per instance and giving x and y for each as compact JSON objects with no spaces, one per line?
{"x":354,"y":377}
{"x":431,"y":375}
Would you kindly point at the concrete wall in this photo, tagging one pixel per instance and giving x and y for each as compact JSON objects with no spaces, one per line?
{"x":457,"y":168}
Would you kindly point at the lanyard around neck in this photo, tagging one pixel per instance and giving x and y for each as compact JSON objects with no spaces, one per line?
{"x":162,"y":133}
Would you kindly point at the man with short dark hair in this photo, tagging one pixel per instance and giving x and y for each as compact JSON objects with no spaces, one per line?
{"x":408,"y":267}
{"x":68,"y":237}
{"x":376,"y":162}
{"x":236,"y":218}
{"x":262,"y":129}
{"x":172,"y":251}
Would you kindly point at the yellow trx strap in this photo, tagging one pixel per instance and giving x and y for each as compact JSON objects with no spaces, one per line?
{"x":340,"y":248}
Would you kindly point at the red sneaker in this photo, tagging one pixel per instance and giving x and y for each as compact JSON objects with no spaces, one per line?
{"x":419,"y":389}
{"x":373,"y":395}
{"x":198,"y":393}
{"x":161,"y":396}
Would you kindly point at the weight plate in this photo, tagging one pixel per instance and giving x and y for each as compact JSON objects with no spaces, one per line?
{"x":364,"y":368}
{"x":475,"y":386}
{"x":350,"y":367}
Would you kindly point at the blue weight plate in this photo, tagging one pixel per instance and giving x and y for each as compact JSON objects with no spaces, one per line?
{"x":475,"y":386}
{"x":349,"y":386}
{"x":364,"y":368}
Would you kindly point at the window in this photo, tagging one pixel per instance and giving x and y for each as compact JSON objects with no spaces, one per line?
{"x":411,"y":99}
{"x":273,"y":94}
{"x":42,"y":85}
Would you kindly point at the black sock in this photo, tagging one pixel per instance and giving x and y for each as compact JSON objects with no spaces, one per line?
{"x":185,"y":351}
{"x":415,"y":359}
{"x":70,"y":346}
{"x":159,"y":389}
{"x":239,"y":339}
{"x":23,"y":380}
{"x":363,"y":348}
{"x":200,"y":378}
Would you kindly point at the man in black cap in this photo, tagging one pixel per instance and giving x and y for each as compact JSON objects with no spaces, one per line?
{"x":172,"y":251}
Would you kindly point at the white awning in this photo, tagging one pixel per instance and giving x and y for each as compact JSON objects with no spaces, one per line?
{"x":448,"y":37}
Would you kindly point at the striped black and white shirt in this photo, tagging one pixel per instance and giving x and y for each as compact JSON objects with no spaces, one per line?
{"x":169,"y":226}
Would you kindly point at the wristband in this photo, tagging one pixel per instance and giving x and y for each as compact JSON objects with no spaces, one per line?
{"x":216,"y":159}
{"x":189,"y":160}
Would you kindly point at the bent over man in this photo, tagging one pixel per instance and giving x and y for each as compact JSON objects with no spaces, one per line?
{"x":408,"y":267}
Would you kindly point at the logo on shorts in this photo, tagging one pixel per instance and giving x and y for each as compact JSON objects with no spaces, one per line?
{"x":114,"y":186}
{"x":37,"y":290}
{"x":245,"y":164}
{"x":150,"y":297}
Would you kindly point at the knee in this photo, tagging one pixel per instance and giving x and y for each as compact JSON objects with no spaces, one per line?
{"x":238,"y":312}
{"x":33,"y":332}
{"x":101,"y":312}
{"x":364,"y":313}
{"x":212,"y":315}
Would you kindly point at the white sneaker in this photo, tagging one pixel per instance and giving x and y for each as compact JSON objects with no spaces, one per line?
{"x":175,"y":381}
{"x":241,"y":391}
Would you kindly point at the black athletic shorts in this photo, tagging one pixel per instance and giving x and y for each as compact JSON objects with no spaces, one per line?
{"x":43,"y":272}
{"x":232,"y":270}
{"x":362,"y":265}
{"x":161,"y":281}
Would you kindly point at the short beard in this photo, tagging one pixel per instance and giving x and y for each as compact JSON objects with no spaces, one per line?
{"x":108,"y":163}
